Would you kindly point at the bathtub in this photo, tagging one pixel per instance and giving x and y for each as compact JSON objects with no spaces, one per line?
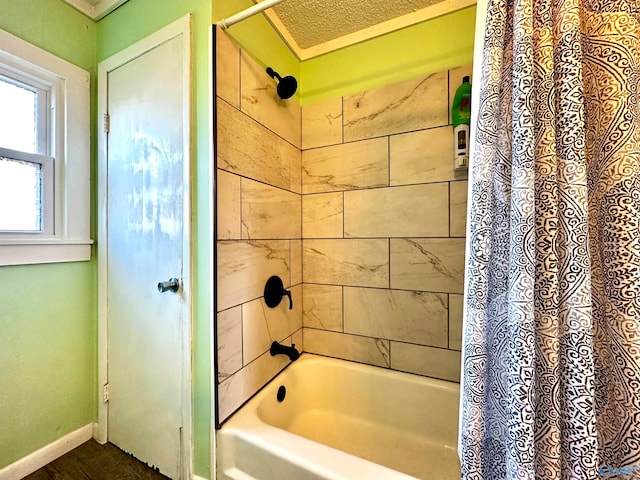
{"x":343,"y":421}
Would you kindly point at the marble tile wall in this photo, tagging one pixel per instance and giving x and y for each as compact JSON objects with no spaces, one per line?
{"x":354,"y":203}
{"x":383,"y":227}
{"x":259,"y":224}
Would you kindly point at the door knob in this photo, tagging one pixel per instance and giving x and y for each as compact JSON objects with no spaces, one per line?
{"x":172,"y":285}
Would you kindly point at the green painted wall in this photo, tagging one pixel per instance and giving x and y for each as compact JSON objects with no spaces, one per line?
{"x":131,"y":22}
{"x":47,"y":355}
{"x":432,"y":46}
{"x":53,"y":26}
{"x":47,"y":312}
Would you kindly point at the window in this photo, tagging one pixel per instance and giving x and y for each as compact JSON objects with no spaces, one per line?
{"x":44,"y":156}
{"x":26,"y":104}
{"x":26,"y":186}
{"x":26,"y":169}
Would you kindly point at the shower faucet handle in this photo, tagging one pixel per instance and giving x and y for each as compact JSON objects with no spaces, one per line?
{"x":274,"y":291}
{"x":288,"y":294}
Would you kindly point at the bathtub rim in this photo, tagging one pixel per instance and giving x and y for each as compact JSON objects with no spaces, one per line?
{"x":247,"y":426}
{"x":308,"y":357}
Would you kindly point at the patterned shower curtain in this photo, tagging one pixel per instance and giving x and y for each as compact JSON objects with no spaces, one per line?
{"x":551,"y":354}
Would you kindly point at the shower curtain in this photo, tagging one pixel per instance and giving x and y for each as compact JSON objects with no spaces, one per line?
{"x":551,"y":353}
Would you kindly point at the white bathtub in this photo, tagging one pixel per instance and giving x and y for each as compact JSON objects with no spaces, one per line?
{"x":343,"y":421}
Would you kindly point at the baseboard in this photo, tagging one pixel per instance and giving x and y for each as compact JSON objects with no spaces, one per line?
{"x":47,"y":454}
{"x":197,"y":477}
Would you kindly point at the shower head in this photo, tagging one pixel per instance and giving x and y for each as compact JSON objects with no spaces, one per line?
{"x":286,"y":86}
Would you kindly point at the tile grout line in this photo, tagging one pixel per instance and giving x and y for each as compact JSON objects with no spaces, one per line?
{"x":449,"y":321}
{"x":267,"y":128}
{"x":241,"y":210}
{"x":262,"y":182}
{"x":343,"y":215}
{"x":342,"y":293}
{"x":404,"y":342}
{"x":390,"y":345}
{"x":449,"y":205}
{"x":389,"y":161}
{"x":389,"y":261}
{"x":376,"y":137}
{"x":301,"y":249}
{"x":239,"y":79}
{"x":242,"y":334}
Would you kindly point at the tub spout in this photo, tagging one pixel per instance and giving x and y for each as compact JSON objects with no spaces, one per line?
{"x":291,"y":352}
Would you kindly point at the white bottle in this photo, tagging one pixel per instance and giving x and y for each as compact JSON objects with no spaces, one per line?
{"x":461,"y":146}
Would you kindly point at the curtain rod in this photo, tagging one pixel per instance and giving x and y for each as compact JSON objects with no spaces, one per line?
{"x":249,"y":12}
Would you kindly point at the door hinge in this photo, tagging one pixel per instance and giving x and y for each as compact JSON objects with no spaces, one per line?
{"x":107,"y":123}
{"x":105,"y":393}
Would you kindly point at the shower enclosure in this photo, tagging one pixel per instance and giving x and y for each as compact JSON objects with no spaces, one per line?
{"x":354,"y":203}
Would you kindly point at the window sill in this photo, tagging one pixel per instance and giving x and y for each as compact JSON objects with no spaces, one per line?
{"x":51,"y":252}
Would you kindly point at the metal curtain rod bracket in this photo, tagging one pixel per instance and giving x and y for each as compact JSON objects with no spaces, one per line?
{"x":249,"y":12}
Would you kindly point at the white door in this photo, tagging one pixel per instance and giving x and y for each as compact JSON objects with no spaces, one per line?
{"x":145,"y":245}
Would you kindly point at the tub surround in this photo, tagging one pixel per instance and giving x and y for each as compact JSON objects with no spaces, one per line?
{"x":259,"y":228}
{"x":354,"y":203}
{"x":260,"y":101}
{"x":411,"y":163}
{"x":251,"y":150}
{"x":431,"y":264}
{"x":383,"y":226}
{"x":397,"y":108}
{"x":325,"y":170}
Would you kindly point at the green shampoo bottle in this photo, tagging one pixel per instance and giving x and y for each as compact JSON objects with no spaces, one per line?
{"x":461,"y":117}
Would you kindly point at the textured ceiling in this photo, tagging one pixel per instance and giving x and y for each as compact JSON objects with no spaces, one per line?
{"x":312,"y":22}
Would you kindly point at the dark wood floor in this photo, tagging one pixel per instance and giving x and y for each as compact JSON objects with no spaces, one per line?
{"x":92,"y":461}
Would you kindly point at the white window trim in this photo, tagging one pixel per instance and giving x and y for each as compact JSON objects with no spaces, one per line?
{"x":70,"y":147}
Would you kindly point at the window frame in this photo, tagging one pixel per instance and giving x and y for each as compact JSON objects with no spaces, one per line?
{"x":68,"y":130}
{"x":48,"y":197}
